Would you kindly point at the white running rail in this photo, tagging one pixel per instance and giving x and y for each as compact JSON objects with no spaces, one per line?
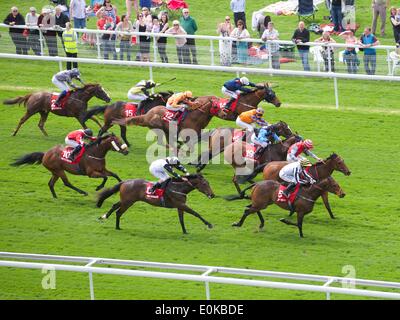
{"x":56,"y":262}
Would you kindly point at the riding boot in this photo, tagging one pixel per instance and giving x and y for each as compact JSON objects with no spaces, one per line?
{"x":259,"y":152}
{"x":140,"y":106}
{"x":229,"y":103}
{"x":74,"y":153}
{"x":60,"y":96}
{"x":155,"y":186}
{"x":164,"y":183}
{"x":289,"y":189}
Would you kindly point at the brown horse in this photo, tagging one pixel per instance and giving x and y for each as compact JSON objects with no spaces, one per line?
{"x":251,"y":100}
{"x":116,"y":111}
{"x":131,"y":191}
{"x":222,"y":137}
{"x":318,"y":171}
{"x":76,"y":105}
{"x":92,"y":164}
{"x":266,"y":193}
{"x":249,"y":168}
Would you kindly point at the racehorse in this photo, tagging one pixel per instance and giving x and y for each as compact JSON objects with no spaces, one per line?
{"x":92,"y":163}
{"x":76,"y":105}
{"x":266,"y":192}
{"x":222,"y":137}
{"x":236,"y":155}
{"x":318,"y":171}
{"x":134,"y":190}
{"x":248,"y":101}
{"x":121,"y":110}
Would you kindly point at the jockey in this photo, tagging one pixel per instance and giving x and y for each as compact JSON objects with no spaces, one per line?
{"x":180,"y":101}
{"x":234,"y":87}
{"x":63,"y":80}
{"x":262,"y":139}
{"x":295,"y":173}
{"x":76,"y":138}
{"x":160,"y":169}
{"x":139,"y":92}
{"x":296,"y":149}
{"x":246,"y":119}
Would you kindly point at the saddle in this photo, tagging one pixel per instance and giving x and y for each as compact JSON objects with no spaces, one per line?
{"x":66,"y":152}
{"x":157,"y":194}
{"x":292,"y":197}
{"x":62,"y":103}
{"x":130,"y":109}
{"x":219,"y":104}
{"x":176,"y":116}
{"x":250,"y":152}
{"x":239,"y":134}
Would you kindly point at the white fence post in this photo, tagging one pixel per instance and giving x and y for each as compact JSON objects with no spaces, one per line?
{"x":98,"y":45}
{"x":336,"y":93}
{"x":41,"y":40}
{"x":212,"y":52}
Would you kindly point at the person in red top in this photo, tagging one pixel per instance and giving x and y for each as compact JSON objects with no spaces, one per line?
{"x":76,"y":138}
{"x":295,"y":151}
{"x":108,"y":40}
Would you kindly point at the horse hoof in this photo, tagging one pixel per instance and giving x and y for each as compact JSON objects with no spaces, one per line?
{"x":283,"y":220}
{"x":210,"y":226}
{"x":99,"y":188}
{"x":85,"y":194}
{"x":235,"y":224}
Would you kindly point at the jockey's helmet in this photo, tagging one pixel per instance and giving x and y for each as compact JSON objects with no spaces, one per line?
{"x":88,"y":132}
{"x":188,"y":94}
{"x":151,"y":83}
{"x":244,"y":81}
{"x":305,"y":163}
{"x":75,"y":72}
{"x":259,"y":111}
{"x":308,"y":144}
{"x":172,"y":160}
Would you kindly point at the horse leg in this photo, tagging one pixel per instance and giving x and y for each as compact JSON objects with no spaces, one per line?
{"x":122,"y":208}
{"x":194,"y":213}
{"x":26,"y":116}
{"x":96,"y":121}
{"x":123,"y":135}
{"x":52,"y":182}
{"x":101,"y":186}
{"x":113,"y":208}
{"x":69,"y":185}
{"x":180,"y":213}
{"x":261,"y":220}
{"x":43,"y":118}
{"x":81,"y":121}
{"x":324,"y":197}
{"x":246,"y":213}
{"x":300,"y":216}
{"x":105,"y":174}
{"x":234,"y":180}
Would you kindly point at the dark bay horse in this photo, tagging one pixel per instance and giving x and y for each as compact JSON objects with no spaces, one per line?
{"x":116,"y":111}
{"x":318,"y":171}
{"x":249,"y":168}
{"x":92,"y":164}
{"x":76,"y":106}
{"x":251,"y":100}
{"x":266,"y":192}
{"x":131,"y":191}
{"x":220,"y":138}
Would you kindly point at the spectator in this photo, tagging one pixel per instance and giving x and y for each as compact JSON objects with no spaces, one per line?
{"x":302,"y":35}
{"x":125,"y":45}
{"x":144,"y":41}
{"x":327,"y":52}
{"x":63,"y":6}
{"x":242,"y":47}
{"x":109,"y":9}
{"x":349,"y":15}
{"x":129,"y":7}
{"x":350,"y":54}
{"x":148,"y":19}
{"x":70,"y":44}
{"x":336,"y":14}
{"x":180,"y":42}
{"x":225,"y":46}
{"x":162,"y":41}
{"x":77,"y":12}
{"x":47,"y":21}
{"x":61,"y":20}
{"x":379,"y":9}
{"x":395,"y":24}
{"x":189,"y":25}
{"x":31,"y":20}
{"x":15,"y":18}
{"x":272,"y":34}
{"x":238,"y":8}
{"x":368,"y":40}
{"x":262,"y":24}
{"x":107,"y":40}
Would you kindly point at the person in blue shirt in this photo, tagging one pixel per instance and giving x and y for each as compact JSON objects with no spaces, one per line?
{"x":263,"y":139}
{"x":234,"y":87}
{"x":367,"y":40}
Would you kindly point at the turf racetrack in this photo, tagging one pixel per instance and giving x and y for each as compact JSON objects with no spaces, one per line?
{"x":364,"y":234}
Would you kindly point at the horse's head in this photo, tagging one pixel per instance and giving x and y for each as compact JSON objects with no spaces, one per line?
{"x":338,"y":164}
{"x":282,"y":129}
{"x":201,"y":184}
{"x":329,"y":184}
{"x":114,"y":143}
{"x":98,"y":91}
{"x":269,"y":94}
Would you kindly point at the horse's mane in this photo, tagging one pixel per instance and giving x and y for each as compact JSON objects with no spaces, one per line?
{"x":87,"y":85}
{"x":191,"y":176}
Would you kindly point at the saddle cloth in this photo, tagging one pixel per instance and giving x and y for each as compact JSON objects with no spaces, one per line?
{"x":66,"y":152}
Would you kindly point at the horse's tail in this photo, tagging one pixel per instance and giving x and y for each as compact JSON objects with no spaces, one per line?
{"x":107,"y":193}
{"x":96,"y":110}
{"x":30,"y":158}
{"x":18,"y":100}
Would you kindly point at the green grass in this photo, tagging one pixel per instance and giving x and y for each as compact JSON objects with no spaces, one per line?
{"x":365,"y":233}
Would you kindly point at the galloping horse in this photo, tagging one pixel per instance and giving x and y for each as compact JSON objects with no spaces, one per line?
{"x":235,"y":155}
{"x":251,"y":100}
{"x":318,"y":171}
{"x":220,"y":138}
{"x":118,"y":111}
{"x":92,"y":163}
{"x":76,"y":106}
{"x":266,"y":192}
{"x":175,"y":194}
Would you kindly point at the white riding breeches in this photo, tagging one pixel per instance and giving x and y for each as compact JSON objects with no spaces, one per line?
{"x":244,"y":125}
{"x":60,"y":84}
{"x":169,"y":107}
{"x":287,"y":174}
{"x":158,"y":172}
{"x":137,"y":96}
{"x":71,"y":143}
{"x":229,"y":93}
{"x":257,"y":142}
